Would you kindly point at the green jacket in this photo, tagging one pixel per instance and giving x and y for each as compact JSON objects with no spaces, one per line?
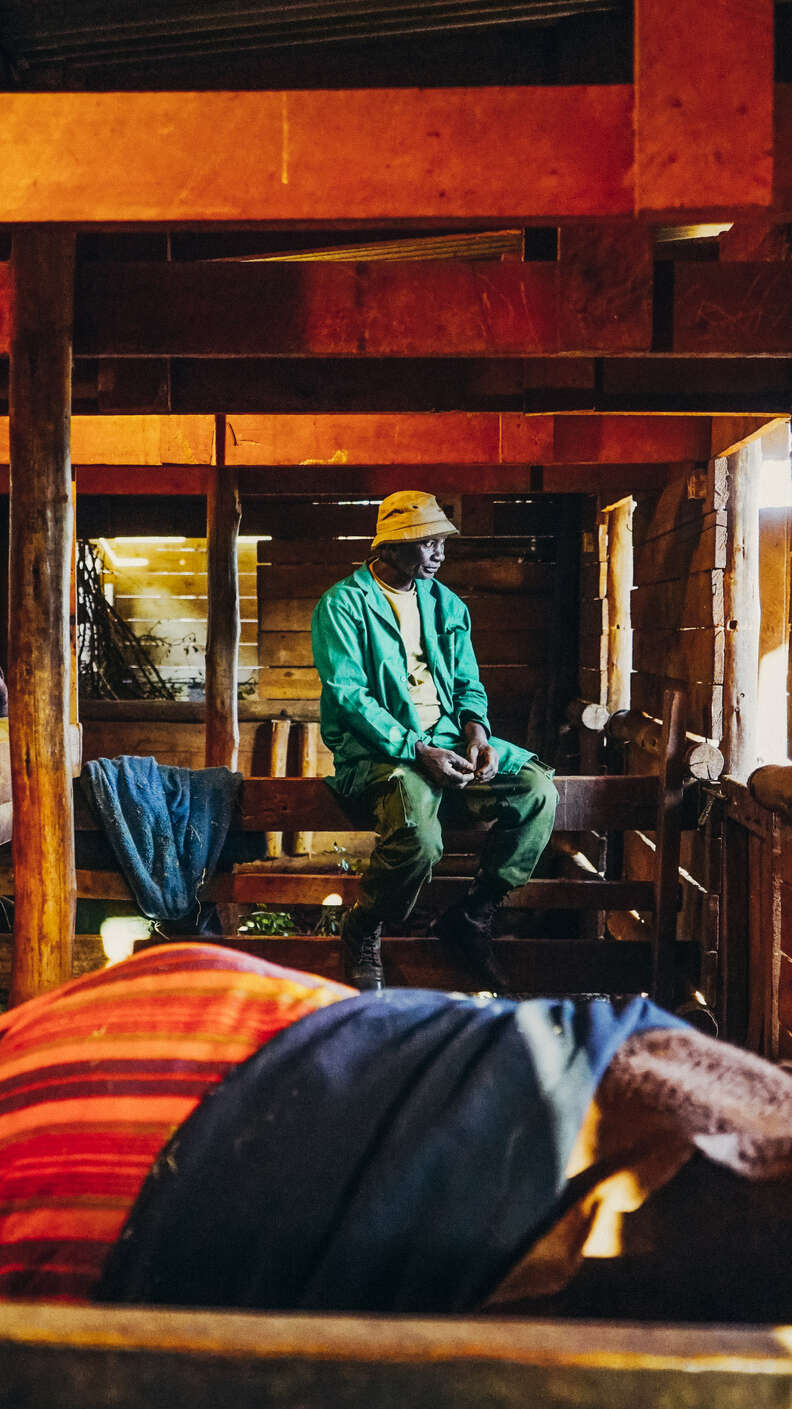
{"x":366,"y":709}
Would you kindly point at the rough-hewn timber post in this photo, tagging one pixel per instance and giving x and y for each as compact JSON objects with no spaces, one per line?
{"x":223,"y":516}
{"x":39,"y":609}
{"x":620,"y":581}
{"x":742,"y":611}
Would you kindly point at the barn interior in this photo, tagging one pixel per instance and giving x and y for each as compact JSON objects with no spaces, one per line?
{"x":262,"y":266}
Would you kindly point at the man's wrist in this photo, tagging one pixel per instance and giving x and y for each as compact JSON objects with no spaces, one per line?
{"x":475,"y":731}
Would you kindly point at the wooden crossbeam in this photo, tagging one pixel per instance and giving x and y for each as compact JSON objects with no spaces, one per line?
{"x":469,"y":155}
{"x":483,"y":438}
{"x":596,"y":301}
{"x":738,"y":309}
{"x":407,"y":439}
{"x":317,"y":157}
{"x":600,"y":300}
{"x":655,"y":384}
{"x":305,"y":888}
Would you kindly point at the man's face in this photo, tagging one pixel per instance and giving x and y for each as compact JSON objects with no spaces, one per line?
{"x":417,"y":558}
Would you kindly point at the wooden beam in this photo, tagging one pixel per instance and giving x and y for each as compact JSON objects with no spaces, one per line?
{"x":595,"y":301}
{"x":409,"y":438}
{"x":704,"y":105}
{"x":733,"y":309}
{"x":395,"y":154}
{"x":39,"y":610}
{"x":653,"y":384}
{"x":483,"y":438}
{"x":731,"y":433}
{"x":598,"y":299}
{"x":454,"y":155}
{"x":223,"y":628}
{"x":202,"y":1358}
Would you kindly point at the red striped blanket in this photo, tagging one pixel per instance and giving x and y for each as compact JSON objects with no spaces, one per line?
{"x":95,"y":1078}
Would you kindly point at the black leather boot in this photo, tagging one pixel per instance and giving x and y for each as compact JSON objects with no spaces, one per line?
{"x":361,"y":957}
{"x":467,"y":927}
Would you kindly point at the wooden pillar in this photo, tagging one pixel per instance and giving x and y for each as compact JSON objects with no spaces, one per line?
{"x":620,"y":581}
{"x":39,"y":609}
{"x":302,"y":844}
{"x":223,"y":514}
{"x":278,"y":756}
{"x":742,"y":610}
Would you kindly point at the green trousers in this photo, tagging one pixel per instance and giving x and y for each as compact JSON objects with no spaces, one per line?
{"x":408,"y":812}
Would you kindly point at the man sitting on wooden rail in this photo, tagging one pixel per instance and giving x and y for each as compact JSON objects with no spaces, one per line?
{"x":405,"y":714}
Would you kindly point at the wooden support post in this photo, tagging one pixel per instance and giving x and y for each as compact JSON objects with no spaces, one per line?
{"x":620,"y":581}
{"x":278,"y":754}
{"x":667,"y":838}
{"x":308,"y":746}
{"x":742,"y":611}
{"x":39,"y":578}
{"x":74,"y":678}
{"x":223,"y":515}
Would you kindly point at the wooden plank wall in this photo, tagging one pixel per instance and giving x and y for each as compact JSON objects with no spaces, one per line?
{"x":502,"y":565}
{"x":677,"y":620}
{"x":677,"y":601}
{"x":163,"y":600}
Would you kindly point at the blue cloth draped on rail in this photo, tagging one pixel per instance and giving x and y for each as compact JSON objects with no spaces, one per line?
{"x":166,"y":826}
{"x":394,"y":1152}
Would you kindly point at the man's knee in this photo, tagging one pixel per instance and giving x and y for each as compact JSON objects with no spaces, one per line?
{"x":538,"y":793}
{"x":428,"y":842}
{"x":418,"y":843}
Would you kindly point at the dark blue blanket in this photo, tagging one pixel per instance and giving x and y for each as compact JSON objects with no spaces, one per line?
{"x":391,"y":1153}
{"x":166,"y":826}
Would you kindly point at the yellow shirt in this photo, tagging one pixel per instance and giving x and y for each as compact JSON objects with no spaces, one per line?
{"x":420,"y":683}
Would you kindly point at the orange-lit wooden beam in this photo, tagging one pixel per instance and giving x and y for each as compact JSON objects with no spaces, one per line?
{"x":135,"y":440}
{"x":597,"y":298}
{"x":457,"y":438}
{"x":703,"y":104}
{"x":409,"y":438}
{"x":704,"y":144}
{"x":317,"y":157}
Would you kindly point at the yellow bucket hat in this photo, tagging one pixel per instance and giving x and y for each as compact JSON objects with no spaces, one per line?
{"x":410,"y":514}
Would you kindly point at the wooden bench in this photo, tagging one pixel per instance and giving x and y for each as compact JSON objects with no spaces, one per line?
{"x":596,"y":803}
{"x":599,"y":803}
